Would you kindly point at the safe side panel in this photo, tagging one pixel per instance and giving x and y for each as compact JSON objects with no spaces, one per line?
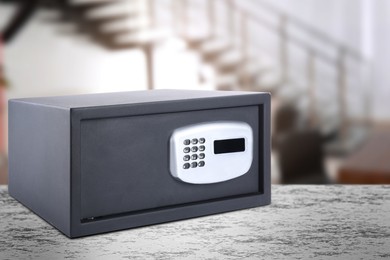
{"x":39,"y":160}
{"x":125,"y":162}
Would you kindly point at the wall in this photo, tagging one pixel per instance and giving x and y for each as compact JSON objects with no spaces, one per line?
{"x":48,"y":59}
{"x":381,"y":58}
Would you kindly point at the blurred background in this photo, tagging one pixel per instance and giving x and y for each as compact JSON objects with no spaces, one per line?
{"x":325,"y":63}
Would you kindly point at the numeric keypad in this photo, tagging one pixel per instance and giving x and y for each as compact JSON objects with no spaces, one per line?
{"x":191,"y":147}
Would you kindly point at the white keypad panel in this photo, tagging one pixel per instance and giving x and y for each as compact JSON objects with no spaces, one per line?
{"x":194,"y":160}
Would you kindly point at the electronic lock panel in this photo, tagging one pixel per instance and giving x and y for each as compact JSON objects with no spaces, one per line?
{"x":211,"y":152}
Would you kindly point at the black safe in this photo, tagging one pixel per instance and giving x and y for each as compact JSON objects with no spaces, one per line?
{"x":96,"y":163}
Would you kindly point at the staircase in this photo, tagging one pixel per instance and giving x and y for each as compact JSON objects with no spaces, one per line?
{"x":227,"y":35}
{"x":328,"y":85}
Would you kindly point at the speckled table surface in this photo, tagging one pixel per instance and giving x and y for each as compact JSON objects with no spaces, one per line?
{"x":303,"y":222}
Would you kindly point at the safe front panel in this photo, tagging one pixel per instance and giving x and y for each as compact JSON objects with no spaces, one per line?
{"x":125,"y":163}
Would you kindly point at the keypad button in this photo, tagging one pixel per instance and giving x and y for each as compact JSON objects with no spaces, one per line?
{"x":186,"y":166}
{"x":194,"y":157}
{"x":186,"y":149}
{"x":194,"y":165}
{"x":194,"y":148}
{"x":202,"y":148}
{"x":194,"y":141}
{"x":201,"y":164}
{"x":201,"y":156}
{"x":202,"y":140}
{"x":186,"y":142}
{"x":186,"y":158}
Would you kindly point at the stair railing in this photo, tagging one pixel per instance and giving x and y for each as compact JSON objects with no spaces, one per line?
{"x":344,"y":54}
{"x":286,"y":37}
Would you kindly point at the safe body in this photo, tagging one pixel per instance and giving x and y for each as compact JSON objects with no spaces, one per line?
{"x":95,"y":163}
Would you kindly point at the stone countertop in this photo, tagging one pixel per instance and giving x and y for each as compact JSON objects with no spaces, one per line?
{"x":343,"y":222}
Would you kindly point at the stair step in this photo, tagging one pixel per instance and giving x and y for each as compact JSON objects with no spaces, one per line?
{"x":101,"y":21}
{"x":127,"y":38}
{"x":90,"y":2}
{"x":327,"y":119}
{"x":93,"y":27}
{"x":194,"y":42}
{"x":213,"y":49}
{"x":127,"y":15}
{"x":270,"y":81}
{"x":123,"y":24}
{"x":229,"y":62}
{"x":250,"y":70}
{"x":195,"y":38}
{"x":125,"y":46}
{"x":227,"y":82}
{"x":328,"y":114}
{"x":230,"y":57}
{"x":85,"y":6}
{"x":108,"y":40}
{"x":329,"y":127}
{"x":116,"y":8}
{"x":354,"y":138}
{"x":214,"y":45}
{"x":289,"y":92}
{"x":255,"y":68}
{"x":144,"y":37}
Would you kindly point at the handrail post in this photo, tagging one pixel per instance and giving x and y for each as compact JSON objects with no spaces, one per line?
{"x":311,"y":80}
{"x":211,"y":17}
{"x":369,"y":93}
{"x":148,"y":50}
{"x":183,"y":17}
{"x":366,"y":83}
{"x":283,"y":47}
{"x":230,"y":23}
{"x":244,"y":46}
{"x":342,"y":92}
{"x":175,"y":11}
{"x":152,"y":13}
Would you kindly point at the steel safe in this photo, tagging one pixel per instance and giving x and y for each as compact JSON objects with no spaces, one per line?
{"x":96,"y":163}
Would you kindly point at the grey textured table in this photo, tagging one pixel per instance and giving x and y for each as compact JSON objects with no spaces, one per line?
{"x":343,"y":222}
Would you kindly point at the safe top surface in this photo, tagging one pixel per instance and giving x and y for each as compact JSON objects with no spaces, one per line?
{"x":131,"y":97}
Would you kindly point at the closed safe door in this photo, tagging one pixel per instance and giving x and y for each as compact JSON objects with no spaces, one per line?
{"x":126,"y":163}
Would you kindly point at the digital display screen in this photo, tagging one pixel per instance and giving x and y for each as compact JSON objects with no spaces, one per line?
{"x":229,"y":146}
